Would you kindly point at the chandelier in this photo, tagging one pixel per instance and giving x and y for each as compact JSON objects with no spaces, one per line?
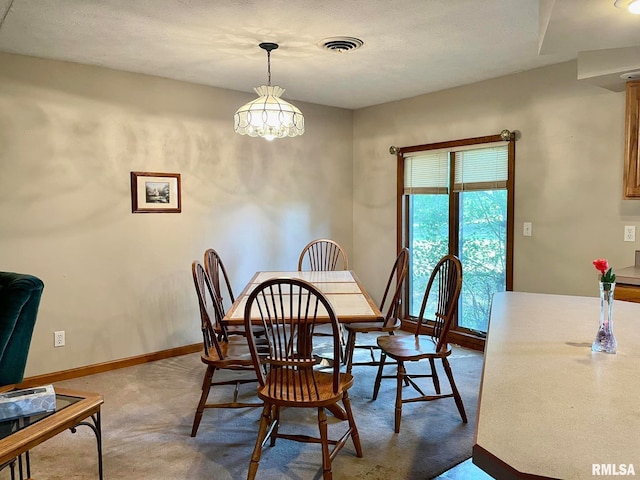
{"x":269,"y":116}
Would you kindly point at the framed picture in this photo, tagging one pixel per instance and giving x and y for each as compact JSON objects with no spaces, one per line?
{"x":153,"y":192}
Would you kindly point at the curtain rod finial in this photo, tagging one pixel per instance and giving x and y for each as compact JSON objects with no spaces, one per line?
{"x":506,"y":135}
{"x":394,"y":150}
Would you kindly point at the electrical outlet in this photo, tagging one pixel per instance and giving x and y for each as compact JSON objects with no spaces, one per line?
{"x":526,"y":229}
{"x":58,"y":339}
{"x":629,"y":233}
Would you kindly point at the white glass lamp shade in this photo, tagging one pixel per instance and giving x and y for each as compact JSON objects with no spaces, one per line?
{"x":269,"y":116}
{"x":632,"y":5}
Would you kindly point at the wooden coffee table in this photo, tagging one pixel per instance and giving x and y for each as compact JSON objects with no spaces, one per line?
{"x":73,"y":408}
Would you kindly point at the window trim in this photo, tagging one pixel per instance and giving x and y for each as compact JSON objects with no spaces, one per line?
{"x":462,"y":337}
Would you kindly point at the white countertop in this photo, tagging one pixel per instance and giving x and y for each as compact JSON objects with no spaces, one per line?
{"x":548,"y":405}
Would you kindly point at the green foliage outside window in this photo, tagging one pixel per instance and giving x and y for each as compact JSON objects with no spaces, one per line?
{"x":482,"y":249}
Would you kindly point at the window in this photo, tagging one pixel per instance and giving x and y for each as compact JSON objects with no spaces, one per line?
{"x":457,"y":197}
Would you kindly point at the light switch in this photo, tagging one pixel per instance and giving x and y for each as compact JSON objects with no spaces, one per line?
{"x":526,"y":230}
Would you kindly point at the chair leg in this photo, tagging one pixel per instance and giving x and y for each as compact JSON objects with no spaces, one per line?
{"x":454,"y":389}
{"x":324,"y":441}
{"x":376,"y":385}
{"x":351,"y":344}
{"x":434,"y":376}
{"x":206,"y":386}
{"x":355,"y":436}
{"x":343,"y":345}
{"x":262,"y":433}
{"x":276,"y":423}
{"x":401,"y":373}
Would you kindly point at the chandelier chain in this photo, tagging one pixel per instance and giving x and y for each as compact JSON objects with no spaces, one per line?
{"x":269,"y":67}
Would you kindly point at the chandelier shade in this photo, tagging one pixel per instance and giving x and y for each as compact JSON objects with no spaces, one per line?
{"x":269,"y":116}
{"x":632,"y":5}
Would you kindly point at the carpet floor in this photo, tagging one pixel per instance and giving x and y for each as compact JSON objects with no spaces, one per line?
{"x":148,"y":412}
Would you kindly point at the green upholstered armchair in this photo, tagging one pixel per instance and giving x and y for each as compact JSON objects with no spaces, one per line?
{"x":19,"y":300}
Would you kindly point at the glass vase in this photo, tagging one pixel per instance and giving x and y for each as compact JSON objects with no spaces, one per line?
{"x":605,"y":340}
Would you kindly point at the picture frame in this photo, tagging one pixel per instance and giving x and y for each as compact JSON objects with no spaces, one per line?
{"x":153,"y":192}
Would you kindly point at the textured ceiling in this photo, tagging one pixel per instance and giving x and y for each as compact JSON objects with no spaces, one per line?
{"x":411,"y":47}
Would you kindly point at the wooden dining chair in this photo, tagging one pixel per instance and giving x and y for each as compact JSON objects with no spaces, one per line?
{"x":228,"y":353}
{"x":323,"y":254}
{"x":429,"y":342}
{"x":290,"y":311}
{"x":224,"y":293}
{"x":390,"y":306}
{"x":222,"y":288}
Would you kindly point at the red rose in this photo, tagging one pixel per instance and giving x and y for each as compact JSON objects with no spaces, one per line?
{"x":601,"y":265}
{"x":606,"y":272}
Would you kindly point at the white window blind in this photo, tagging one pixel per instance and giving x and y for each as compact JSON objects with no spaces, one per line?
{"x":426,"y":172}
{"x":485,"y":168}
{"x":481,"y":169}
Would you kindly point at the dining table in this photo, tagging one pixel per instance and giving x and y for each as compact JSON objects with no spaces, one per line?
{"x":342,"y":288}
{"x":349,"y":299}
{"x":550,"y":407}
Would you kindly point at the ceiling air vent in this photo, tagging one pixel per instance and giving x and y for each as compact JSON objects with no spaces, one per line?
{"x":340,"y":44}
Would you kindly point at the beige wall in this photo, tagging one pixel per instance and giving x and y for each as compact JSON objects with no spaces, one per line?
{"x":569,"y":162}
{"x":120,"y":284}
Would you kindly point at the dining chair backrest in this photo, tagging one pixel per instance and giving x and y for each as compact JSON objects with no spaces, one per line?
{"x":441,"y":297}
{"x":391,"y":299}
{"x":323,"y":254}
{"x":219,"y":278}
{"x":290,"y":309}
{"x":209,"y":310}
